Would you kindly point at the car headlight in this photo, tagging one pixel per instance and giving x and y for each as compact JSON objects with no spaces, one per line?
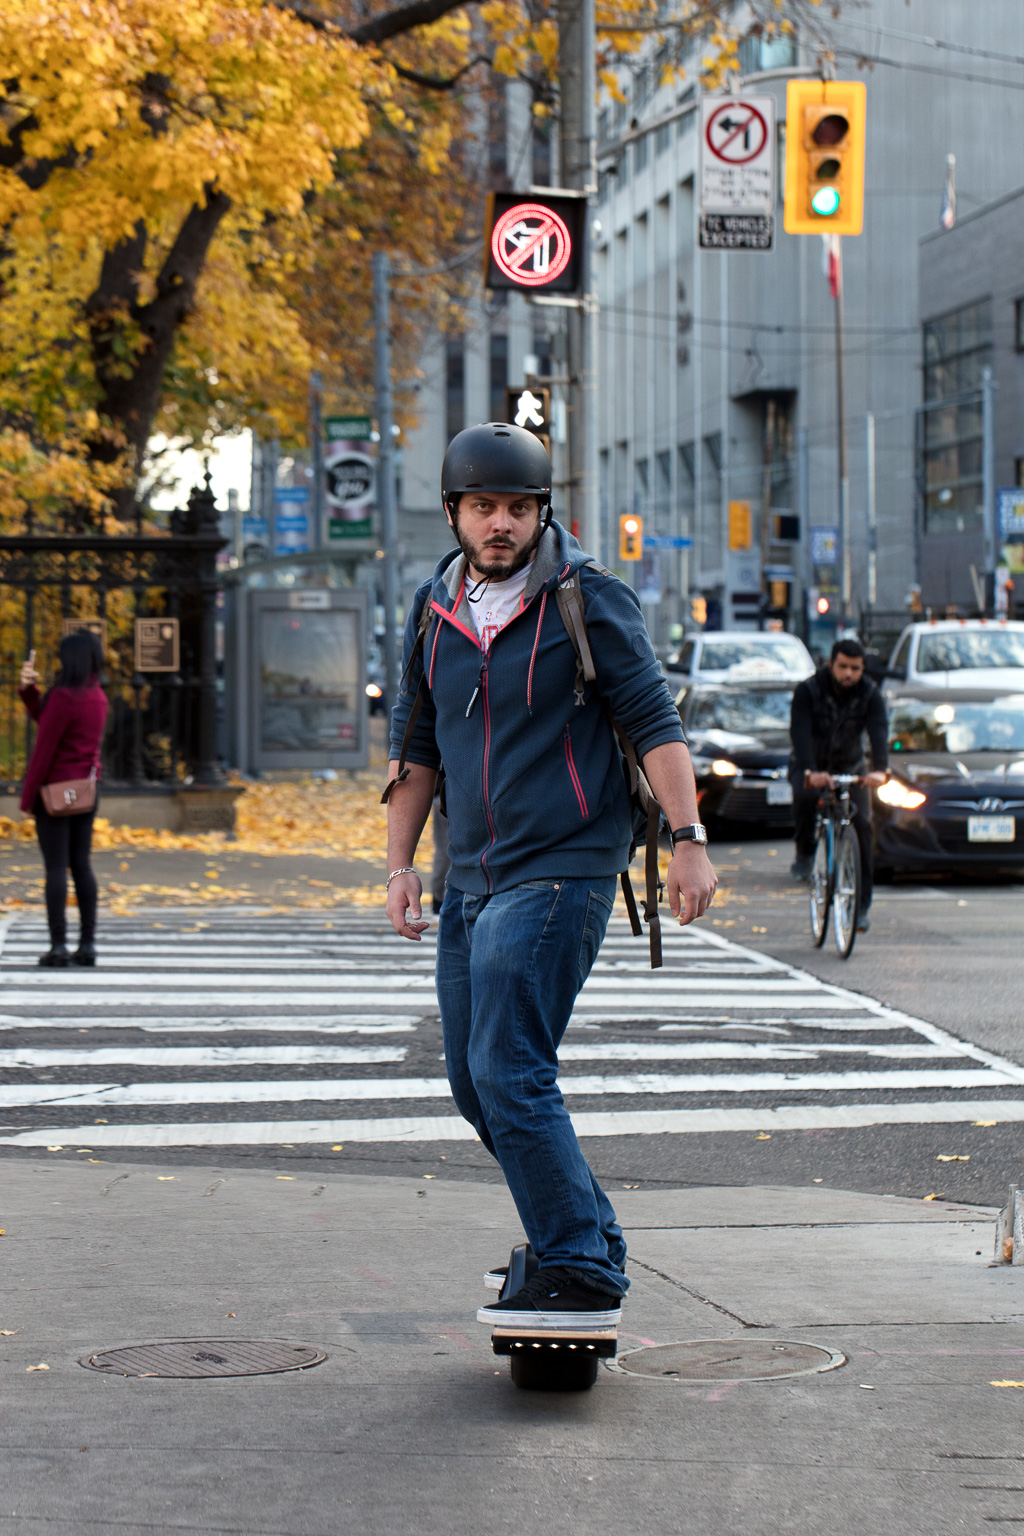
{"x":900,"y":795}
{"x":723,"y":768}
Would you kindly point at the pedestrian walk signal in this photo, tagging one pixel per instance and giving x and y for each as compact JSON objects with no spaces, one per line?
{"x":631,"y":537}
{"x":530,"y":407}
{"x":825,"y":121}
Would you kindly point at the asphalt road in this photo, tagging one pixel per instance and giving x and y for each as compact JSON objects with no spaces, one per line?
{"x":947,"y":954}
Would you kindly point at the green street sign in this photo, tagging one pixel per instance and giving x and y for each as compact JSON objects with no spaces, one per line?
{"x":348,"y":428}
{"x":341,"y":528}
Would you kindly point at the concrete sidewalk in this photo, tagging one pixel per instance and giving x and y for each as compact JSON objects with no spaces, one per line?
{"x":412,"y":1428}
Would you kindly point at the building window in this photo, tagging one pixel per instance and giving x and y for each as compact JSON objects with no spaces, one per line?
{"x":757,"y":52}
{"x":1018,"y":325}
{"x":662,"y":138}
{"x":499,"y":375}
{"x":455,"y":386}
{"x":957,"y":346}
{"x":640,"y":147}
{"x":686,"y":123}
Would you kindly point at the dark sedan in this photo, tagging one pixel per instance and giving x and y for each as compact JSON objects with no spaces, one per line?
{"x":738,"y":735}
{"x":955,"y":800}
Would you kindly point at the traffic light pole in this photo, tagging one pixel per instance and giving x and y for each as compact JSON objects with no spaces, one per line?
{"x":845,"y":584}
{"x":577,"y":84}
{"x":386,"y":467}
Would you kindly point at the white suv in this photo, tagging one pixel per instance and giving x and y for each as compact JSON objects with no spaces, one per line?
{"x":738,"y":655}
{"x":960,"y":653}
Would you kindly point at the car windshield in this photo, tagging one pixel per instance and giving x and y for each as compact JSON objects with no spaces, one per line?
{"x":719,"y":655}
{"x":966,"y":649}
{"x":762,"y":709}
{"x":918,"y":726}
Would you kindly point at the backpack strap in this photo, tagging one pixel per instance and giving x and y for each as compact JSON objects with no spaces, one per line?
{"x":570,"y":605}
{"x":573,"y":614}
{"x":426,"y":619}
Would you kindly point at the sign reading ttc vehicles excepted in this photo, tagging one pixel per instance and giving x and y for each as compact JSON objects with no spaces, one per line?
{"x":737,"y":173}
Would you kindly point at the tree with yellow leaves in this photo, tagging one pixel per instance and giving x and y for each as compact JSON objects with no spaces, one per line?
{"x":189,"y":194}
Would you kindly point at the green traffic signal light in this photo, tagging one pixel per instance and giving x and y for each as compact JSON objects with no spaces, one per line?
{"x":826,"y":202}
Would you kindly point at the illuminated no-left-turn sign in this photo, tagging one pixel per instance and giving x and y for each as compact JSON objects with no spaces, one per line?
{"x":531,"y":245}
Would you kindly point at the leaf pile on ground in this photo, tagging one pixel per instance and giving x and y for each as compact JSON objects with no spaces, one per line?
{"x":339,"y":820}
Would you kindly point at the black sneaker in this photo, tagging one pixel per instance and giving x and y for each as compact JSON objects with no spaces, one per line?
{"x":56,"y":956}
{"x":554,"y":1299}
{"x":800,"y":869}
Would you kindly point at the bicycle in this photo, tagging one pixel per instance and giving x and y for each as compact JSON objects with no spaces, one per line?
{"x":835,"y":870}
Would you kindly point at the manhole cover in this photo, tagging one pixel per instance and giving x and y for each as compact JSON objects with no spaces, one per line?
{"x":205,"y":1357}
{"x":728,"y":1360}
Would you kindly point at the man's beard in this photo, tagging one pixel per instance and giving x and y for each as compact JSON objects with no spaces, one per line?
{"x":481,"y":557}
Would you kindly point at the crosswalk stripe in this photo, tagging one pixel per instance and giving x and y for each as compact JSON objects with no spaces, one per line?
{"x":312,"y":1055}
{"x":433,"y":1128}
{"x":269,"y":1091}
{"x":280,"y":1023}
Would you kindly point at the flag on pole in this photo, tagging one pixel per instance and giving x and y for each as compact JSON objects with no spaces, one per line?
{"x":831,"y":263}
{"x":948,"y":216}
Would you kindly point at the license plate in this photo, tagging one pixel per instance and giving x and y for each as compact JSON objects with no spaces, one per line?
{"x":780,"y":792}
{"x":991,"y":829}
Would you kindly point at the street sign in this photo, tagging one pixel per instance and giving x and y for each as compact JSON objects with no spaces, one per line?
{"x":666,"y":541}
{"x":97,"y":627}
{"x":737,"y":173}
{"x":533,"y":243}
{"x":156,"y":645}
{"x":338,"y":429}
{"x":350,"y":491}
{"x":296,"y":493}
{"x":736,"y":231}
{"x":1011,"y":511}
{"x":824,"y":545}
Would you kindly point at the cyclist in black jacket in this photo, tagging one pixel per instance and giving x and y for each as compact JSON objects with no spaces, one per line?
{"x":831,"y":713}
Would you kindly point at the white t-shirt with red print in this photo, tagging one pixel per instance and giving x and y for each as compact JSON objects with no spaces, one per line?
{"x":496,"y":603}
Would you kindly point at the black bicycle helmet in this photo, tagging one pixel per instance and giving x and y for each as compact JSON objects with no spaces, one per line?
{"x":496,"y":456}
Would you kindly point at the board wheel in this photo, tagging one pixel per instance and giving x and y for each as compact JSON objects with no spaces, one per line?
{"x":544,"y":1373}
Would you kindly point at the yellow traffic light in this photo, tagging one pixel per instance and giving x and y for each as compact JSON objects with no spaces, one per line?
{"x":739,"y":525}
{"x":825,"y":157}
{"x":631,"y":537}
{"x":699,"y":610}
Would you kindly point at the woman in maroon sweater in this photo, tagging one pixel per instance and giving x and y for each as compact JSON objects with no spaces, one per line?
{"x":71,"y":719}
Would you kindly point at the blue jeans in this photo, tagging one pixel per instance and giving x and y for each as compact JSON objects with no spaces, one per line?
{"x":509,"y":967}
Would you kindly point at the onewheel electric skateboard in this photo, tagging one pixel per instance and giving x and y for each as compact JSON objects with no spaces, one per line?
{"x":548,"y":1359}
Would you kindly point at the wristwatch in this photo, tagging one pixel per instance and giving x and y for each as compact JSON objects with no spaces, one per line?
{"x":692,"y":834}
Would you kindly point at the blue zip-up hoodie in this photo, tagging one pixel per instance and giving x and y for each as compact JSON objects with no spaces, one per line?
{"x":533,"y":783}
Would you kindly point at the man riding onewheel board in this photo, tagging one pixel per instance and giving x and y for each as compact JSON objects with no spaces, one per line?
{"x":540,"y":828}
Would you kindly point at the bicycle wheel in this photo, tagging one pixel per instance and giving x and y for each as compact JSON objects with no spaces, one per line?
{"x":846,"y":900}
{"x":821,"y":887}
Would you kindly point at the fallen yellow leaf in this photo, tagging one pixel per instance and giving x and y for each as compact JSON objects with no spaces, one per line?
{"x":37,"y":1367}
{"x":954,"y":1157}
{"x":55,"y":1149}
{"x":763,"y":1136}
{"x":8,"y":1333}
{"x":288,"y":1177}
{"x":1018,"y":1384}
{"x":984,"y":1122}
{"x":338,"y":1148}
{"x":935,"y":1197}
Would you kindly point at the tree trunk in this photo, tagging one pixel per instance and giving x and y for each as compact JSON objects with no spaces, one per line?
{"x":131,"y":381}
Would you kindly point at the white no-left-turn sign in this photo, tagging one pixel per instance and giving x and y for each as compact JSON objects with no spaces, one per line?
{"x":737,"y":154}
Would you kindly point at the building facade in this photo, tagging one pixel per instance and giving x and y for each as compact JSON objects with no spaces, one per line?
{"x":972,"y":319}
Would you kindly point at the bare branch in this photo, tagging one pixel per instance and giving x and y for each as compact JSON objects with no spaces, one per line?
{"x":378,"y":29}
{"x":436,"y":82}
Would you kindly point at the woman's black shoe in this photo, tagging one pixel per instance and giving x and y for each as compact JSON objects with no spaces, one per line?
{"x":85,"y":954}
{"x":57,"y":955}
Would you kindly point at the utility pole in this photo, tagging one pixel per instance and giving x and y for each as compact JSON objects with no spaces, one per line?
{"x":577,"y":84}
{"x":845,"y":587}
{"x":318,"y":532}
{"x":872,"y":510}
{"x":988,"y":481}
{"x":386,"y":467}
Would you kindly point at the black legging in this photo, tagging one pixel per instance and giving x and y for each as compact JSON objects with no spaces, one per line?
{"x":64,"y":841}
